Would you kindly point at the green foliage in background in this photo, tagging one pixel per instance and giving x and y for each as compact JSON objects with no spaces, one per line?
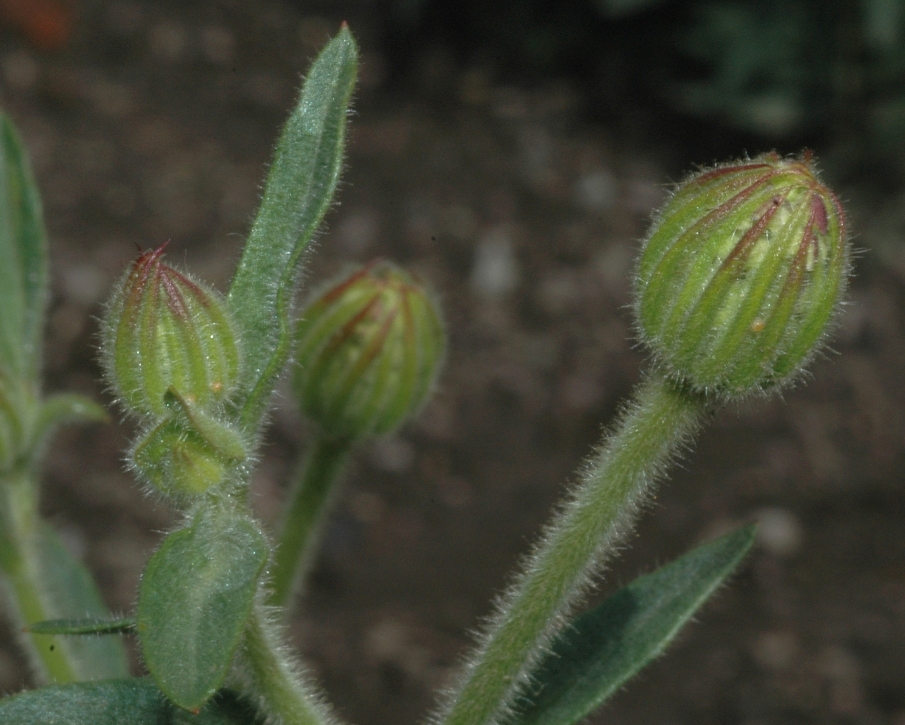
{"x":825,"y":72}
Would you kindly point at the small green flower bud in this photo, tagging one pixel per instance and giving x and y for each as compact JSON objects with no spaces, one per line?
{"x":368,"y":351}
{"x":162,"y":330}
{"x":189,"y":451}
{"x":177,"y":461}
{"x":741,"y":274}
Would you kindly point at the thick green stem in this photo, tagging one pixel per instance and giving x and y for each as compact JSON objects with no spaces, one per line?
{"x":275,"y":680}
{"x":20,"y":561}
{"x":587,"y":530}
{"x":310,"y":501}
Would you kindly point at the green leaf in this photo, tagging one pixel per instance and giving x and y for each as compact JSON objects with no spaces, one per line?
{"x":299,"y":190}
{"x":63,"y":408}
{"x":134,"y":701}
{"x":70,"y":591}
{"x":67,"y":407}
{"x":23,"y":259}
{"x":603,"y":648}
{"x":195,"y":598}
{"x":91,"y":625}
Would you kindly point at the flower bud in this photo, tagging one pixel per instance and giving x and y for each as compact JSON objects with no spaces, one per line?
{"x":162,"y":330}
{"x":367,"y":352}
{"x":741,"y":274}
{"x":189,"y":451}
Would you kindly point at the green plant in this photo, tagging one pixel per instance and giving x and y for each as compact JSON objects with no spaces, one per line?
{"x":766,"y":67}
{"x":737,"y":283}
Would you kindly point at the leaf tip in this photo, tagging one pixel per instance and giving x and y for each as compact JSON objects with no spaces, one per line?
{"x":748,"y":534}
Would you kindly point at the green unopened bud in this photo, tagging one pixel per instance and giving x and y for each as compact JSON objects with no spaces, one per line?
{"x":188,"y":452}
{"x":741,"y":274}
{"x":162,"y":330}
{"x":368,"y":351}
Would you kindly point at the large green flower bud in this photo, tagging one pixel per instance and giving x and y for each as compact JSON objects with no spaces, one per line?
{"x":368,"y":351}
{"x":164,"y":330}
{"x":741,"y":274}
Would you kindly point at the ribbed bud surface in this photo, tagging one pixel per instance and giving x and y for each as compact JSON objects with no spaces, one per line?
{"x":741,"y":274}
{"x":162,"y":330}
{"x":367,"y":352}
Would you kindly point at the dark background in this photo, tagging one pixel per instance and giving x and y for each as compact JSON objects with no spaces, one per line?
{"x":510,"y":153}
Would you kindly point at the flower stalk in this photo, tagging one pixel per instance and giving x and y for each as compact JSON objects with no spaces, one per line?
{"x":275,"y":680}
{"x":309,"y":504}
{"x":582,"y":536}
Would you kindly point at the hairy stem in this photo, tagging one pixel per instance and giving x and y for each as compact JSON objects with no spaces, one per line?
{"x":275,"y":680}
{"x":310,"y":501}
{"x":585,"y":531}
{"x":20,"y":562}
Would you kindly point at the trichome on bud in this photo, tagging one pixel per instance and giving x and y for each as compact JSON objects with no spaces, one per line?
{"x":741,"y":274}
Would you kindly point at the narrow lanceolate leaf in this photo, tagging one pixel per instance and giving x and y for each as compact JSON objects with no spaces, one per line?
{"x":23,"y":259}
{"x":603,"y":648}
{"x":92,"y":625}
{"x":135,"y":701}
{"x":299,"y":190}
{"x":70,"y":591}
{"x":195,"y":597}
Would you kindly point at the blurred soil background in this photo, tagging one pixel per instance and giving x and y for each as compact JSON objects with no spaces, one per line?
{"x":510,"y":153}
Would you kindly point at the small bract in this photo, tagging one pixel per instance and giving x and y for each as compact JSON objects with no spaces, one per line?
{"x":188,"y":452}
{"x":164,"y":330}
{"x":741,"y":274}
{"x":368,"y":350}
